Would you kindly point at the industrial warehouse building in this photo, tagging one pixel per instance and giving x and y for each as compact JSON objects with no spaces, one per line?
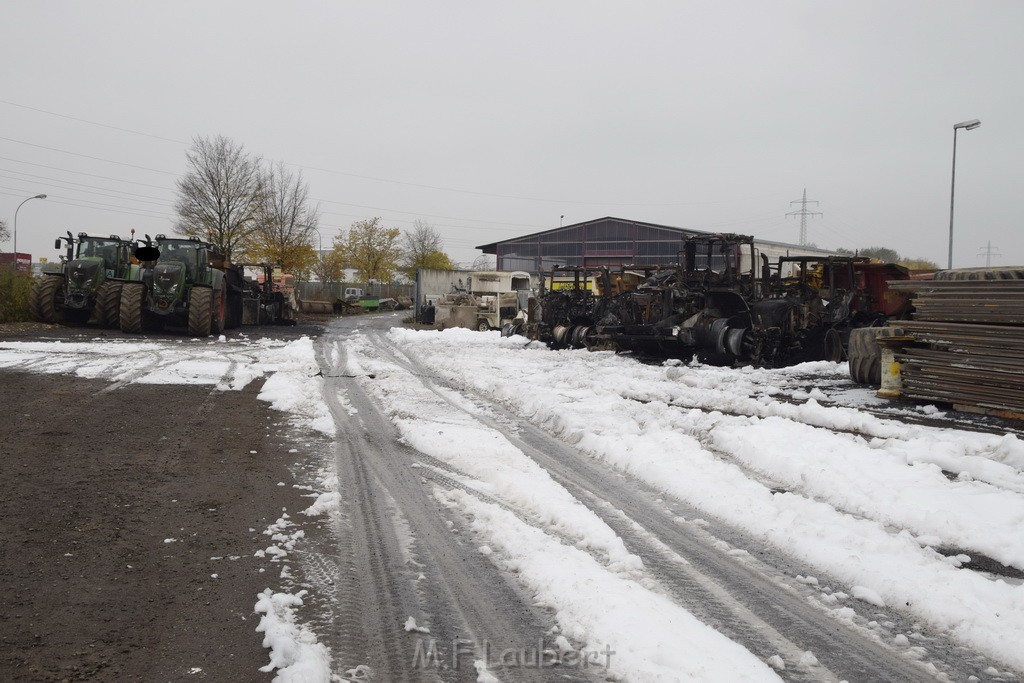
{"x":611,"y":242}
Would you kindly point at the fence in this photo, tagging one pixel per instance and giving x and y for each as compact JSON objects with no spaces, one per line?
{"x":321,"y":291}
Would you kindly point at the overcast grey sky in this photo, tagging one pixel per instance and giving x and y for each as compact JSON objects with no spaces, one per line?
{"x":492,"y":120}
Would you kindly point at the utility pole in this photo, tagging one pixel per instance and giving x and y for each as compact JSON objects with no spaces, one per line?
{"x":988,"y":252}
{"x":803,"y":213}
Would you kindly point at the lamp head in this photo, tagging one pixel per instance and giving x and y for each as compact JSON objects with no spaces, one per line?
{"x":969,"y":125}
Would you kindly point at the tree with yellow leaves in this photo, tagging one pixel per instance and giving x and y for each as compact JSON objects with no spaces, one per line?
{"x":372,"y":249}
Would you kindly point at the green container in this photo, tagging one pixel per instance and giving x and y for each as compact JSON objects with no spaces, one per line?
{"x":370,"y":303}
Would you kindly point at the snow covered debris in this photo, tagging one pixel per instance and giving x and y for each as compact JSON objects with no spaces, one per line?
{"x":294,"y":650}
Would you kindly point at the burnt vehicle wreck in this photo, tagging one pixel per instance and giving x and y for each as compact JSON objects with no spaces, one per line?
{"x":722,"y":303}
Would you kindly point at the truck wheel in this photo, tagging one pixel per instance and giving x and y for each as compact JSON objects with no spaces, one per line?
{"x":200,"y":300}
{"x":130,"y":308}
{"x":866,"y":355}
{"x":482,"y":326}
{"x":108,"y":304}
{"x":219,"y":312}
{"x":833,"y":344}
{"x":46,"y":299}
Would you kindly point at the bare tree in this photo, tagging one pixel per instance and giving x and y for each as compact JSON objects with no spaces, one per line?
{"x":5,"y":234}
{"x":219,"y":198}
{"x":484,"y":262}
{"x":285,"y":223}
{"x":423,"y":248}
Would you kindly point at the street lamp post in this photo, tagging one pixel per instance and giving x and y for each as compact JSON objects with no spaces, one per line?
{"x":967,"y":125}
{"x":38,"y":196}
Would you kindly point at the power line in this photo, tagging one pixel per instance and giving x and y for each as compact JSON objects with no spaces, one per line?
{"x":55,"y":182}
{"x":87,"y":156}
{"x":55,"y":200}
{"x":93,"y":123}
{"x":367,"y":177}
{"x":496,"y":225}
{"x":91,"y":175}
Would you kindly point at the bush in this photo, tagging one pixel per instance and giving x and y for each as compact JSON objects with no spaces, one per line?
{"x":15,"y":289}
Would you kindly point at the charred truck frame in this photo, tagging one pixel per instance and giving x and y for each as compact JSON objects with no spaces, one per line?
{"x":717,"y":305}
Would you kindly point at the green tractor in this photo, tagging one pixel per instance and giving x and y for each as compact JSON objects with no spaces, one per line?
{"x":85,"y":286}
{"x":184,"y":283}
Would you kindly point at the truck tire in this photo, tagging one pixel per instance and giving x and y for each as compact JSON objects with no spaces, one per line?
{"x":108,"y":304}
{"x":130,"y":309}
{"x":45,"y":300}
{"x":218,"y":312}
{"x":200,"y":300}
{"x":866,"y":355}
{"x":482,"y":326}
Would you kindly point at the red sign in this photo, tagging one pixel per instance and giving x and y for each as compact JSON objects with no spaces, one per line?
{"x":24,"y":262}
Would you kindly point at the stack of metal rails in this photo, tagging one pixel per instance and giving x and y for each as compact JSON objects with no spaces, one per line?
{"x":968,"y":345}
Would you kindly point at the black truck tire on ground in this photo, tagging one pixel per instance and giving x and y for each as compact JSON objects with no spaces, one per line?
{"x":200,"y":300}
{"x":108,"y":304}
{"x":43,"y":304}
{"x":218,"y":312}
{"x":482,"y":325}
{"x":129,"y":314}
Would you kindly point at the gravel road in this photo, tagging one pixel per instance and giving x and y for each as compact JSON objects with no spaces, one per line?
{"x":132,"y":516}
{"x":94,"y":483}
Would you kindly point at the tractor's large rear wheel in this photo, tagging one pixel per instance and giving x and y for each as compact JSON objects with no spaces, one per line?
{"x":45,"y":300}
{"x":219,"y":312}
{"x":108,"y":304}
{"x":130,"y":308}
{"x":200,"y":300}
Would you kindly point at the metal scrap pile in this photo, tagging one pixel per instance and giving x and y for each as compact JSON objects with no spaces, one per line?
{"x":970,"y":342}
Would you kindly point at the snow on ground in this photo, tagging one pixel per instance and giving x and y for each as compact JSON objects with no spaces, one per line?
{"x":291,"y":369}
{"x":865,"y":499}
{"x":294,"y":651}
{"x":803,"y":467}
{"x":427,"y":423}
{"x":646,"y":636}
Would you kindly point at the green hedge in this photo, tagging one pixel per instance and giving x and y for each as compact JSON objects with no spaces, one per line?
{"x":14,"y":292}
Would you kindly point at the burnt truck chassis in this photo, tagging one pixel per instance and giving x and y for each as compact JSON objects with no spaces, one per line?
{"x":712,"y":305}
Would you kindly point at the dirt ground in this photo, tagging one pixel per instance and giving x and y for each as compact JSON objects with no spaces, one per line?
{"x":93,"y":483}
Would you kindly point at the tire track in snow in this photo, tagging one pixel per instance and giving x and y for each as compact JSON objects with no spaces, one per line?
{"x":853,"y":652}
{"x":450,"y":587}
{"x":768,"y":619}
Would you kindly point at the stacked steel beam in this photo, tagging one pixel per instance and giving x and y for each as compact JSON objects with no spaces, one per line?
{"x":969,"y":348}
